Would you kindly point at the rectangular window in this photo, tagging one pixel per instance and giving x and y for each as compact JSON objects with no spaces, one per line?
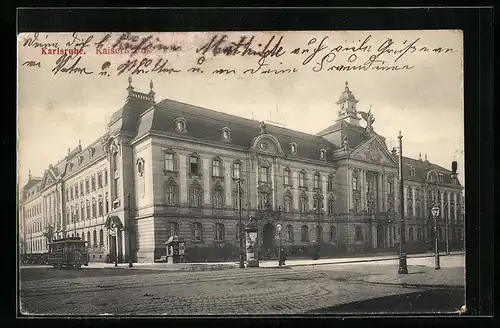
{"x":236,"y":170}
{"x":197,"y":231}
{"x":193,"y":165}
{"x":301,"y":179}
{"x":263,"y":174}
{"x":216,"y":168}
{"x":330,"y":206}
{"x":354,"y":183}
{"x":99,"y":180}
{"x":316,"y":181}
{"x":106,"y":177}
{"x":330,"y":184}
{"x":219,"y":232}
{"x":169,"y":162}
{"x":287,"y":177}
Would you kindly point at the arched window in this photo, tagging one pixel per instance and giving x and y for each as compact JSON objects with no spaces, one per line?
{"x":302,"y":178}
{"x":264,"y":200}
{"x":289,"y":232}
{"x":81,"y":188}
{"x":99,"y":179}
{"x":101,"y":207}
{"x":333,"y":234}
{"x":217,"y":195}
{"x":72,"y":214}
{"x":106,"y":177}
{"x":304,"y":233}
{"x":317,"y":178}
{"x":83,"y":236}
{"x":101,"y":238}
{"x":216,"y":167}
{"x":173,"y":229}
{"x":94,"y":207}
{"x":419,"y":233}
{"x":410,"y":233}
{"x":303,"y":203}
{"x":197,"y":231}
{"x":287,"y":177}
{"x":88,"y":239}
{"x":171,"y":193}
{"x":219,"y":232}
{"x":319,"y":233}
{"x":77,"y":234}
{"x":330,"y":185}
{"x":196,"y":195}
{"x":94,"y":237}
{"x":318,"y":203}
{"x":322,"y":154}
{"x":331,"y":205}
{"x":287,"y":201}
{"x":93,"y":182}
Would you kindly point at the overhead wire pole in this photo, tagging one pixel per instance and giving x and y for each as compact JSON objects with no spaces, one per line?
{"x":242,"y":259}
{"x":403,"y":268}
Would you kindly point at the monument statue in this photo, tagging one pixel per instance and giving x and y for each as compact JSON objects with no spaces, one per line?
{"x":369,"y":119}
{"x":263,"y":127}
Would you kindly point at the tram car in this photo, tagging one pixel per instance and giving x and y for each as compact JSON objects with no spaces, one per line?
{"x":70,"y":252}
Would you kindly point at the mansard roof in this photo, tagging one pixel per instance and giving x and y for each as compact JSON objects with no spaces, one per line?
{"x":422,"y":169}
{"x":206,"y":124}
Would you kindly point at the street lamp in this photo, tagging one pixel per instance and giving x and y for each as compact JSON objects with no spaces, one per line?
{"x":435,"y":214}
{"x":279,"y":227}
{"x":251,"y":232}
{"x":240,"y":232}
{"x":403,"y":268}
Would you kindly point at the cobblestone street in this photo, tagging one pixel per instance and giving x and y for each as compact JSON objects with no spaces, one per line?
{"x":250,"y":291}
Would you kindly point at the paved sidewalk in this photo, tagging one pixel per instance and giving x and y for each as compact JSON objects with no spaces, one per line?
{"x":421,"y":277}
{"x":212,"y":266}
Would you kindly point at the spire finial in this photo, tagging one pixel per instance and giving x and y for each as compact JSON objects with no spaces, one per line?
{"x":151,"y":84}
{"x":29,"y":174}
{"x":425,"y":156}
{"x":69,"y":150}
{"x":346,"y":86}
{"x":130,"y":81}
{"x":419,"y":156}
{"x":79,"y":142}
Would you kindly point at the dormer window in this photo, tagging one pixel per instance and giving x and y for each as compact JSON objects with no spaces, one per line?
{"x":180,"y":124}
{"x":412,"y":171}
{"x":322,"y":154}
{"x":226,"y":134}
{"x":293,"y":148}
{"x":440,"y":177}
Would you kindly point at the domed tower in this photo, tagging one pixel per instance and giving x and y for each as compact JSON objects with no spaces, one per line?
{"x":347,"y":107}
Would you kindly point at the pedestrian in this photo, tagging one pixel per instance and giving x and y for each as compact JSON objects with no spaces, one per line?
{"x":283,"y":256}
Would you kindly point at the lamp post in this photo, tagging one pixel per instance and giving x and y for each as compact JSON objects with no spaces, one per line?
{"x":279,"y":227}
{"x":240,"y":232}
{"x":403,"y":268}
{"x":435,"y":214}
{"x":251,"y":233}
{"x":129,"y":230}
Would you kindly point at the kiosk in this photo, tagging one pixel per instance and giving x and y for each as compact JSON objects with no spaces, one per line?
{"x":251,"y":236}
{"x":175,"y":249}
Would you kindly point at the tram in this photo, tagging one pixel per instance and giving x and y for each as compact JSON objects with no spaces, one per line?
{"x":70,"y":252}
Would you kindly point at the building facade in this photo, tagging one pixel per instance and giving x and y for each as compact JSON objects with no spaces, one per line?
{"x":168,"y":168}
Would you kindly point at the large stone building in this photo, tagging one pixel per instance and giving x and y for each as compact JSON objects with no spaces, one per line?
{"x":169,"y":168}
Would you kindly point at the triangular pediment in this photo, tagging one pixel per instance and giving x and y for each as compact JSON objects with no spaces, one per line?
{"x":48,"y":179}
{"x":374,"y":150}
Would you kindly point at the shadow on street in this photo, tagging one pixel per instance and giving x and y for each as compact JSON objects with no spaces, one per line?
{"x":428,"y":301}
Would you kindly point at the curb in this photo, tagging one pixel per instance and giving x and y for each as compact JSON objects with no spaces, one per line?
{"x":404,"y":285}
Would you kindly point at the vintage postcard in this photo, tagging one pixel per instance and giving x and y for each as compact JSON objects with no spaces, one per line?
{"x":241,"y":173}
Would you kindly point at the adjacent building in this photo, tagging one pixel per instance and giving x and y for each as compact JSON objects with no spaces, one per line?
{"x":169,"y":168}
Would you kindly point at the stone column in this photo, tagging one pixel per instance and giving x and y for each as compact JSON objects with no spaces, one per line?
{"x":310,"y":190}
{"x":272,"y":181}
{"x":362,"y":185}
{"x":257,"y":177}
{"x":414,"y":200}
{"x":380,"y":189}
{"x":349,"y":189}
{"x":449,"y":204}
{"x":324,"y":183}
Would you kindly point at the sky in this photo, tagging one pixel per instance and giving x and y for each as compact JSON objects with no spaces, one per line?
{"x":425,"y":102}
